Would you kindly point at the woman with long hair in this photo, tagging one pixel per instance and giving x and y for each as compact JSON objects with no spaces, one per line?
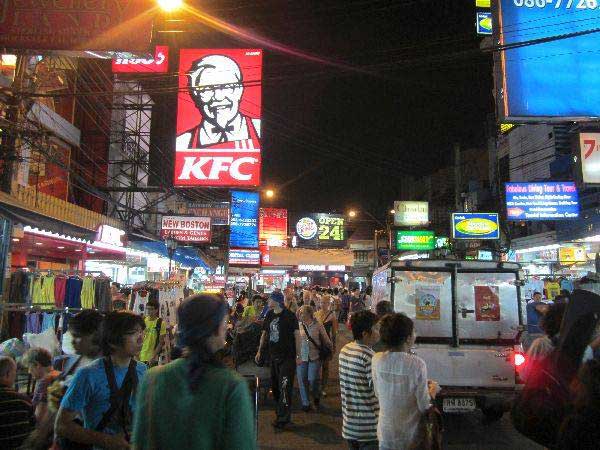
{"x":195,"y":402}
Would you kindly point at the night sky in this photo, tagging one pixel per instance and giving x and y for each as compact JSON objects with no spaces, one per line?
{"x":411,"y":84}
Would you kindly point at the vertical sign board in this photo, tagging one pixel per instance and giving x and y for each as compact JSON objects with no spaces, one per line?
{"x":558,"y":79}
{"x":589,"y":157}
{"x":218,"y":118}
{"x":244,"y":219}
{"x":542,"y":201}
{"x":272,"y":226}
{"x":475,"y":226}
{"x":76,"y":25}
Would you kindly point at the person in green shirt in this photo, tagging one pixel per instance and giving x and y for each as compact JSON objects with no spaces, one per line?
{"x":154,"y":334}
{"x":195,"y":402}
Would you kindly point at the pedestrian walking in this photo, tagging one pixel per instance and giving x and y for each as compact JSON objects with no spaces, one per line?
{"x":314,"y":340}
{"x":281,"y":338}
{"x":196,"y":402}
{"x":327,"y":317}
{"x":102,"y":393}
{"x":400,"y":383}
{"x":18,"y":419}
{"x":360,"y":407}
{"x":344,"y":306}
{"x":154,"y":334}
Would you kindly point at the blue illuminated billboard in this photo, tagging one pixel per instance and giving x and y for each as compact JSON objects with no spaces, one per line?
{"x":244,"y":219}
{"x":475,"y":226}
{"x":559,"y":78}
{"x":542,"y":201}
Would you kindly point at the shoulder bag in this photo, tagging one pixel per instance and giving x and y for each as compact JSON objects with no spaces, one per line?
{"x":429,"y":431}
{"x":324,"y":351}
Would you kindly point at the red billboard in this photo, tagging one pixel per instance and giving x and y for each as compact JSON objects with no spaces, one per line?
{"x":218,"y":118}
{"x":76,"y":25}
{"x":186,"y":229}
{"x":272,"y":226}
{"x":158,"y":64}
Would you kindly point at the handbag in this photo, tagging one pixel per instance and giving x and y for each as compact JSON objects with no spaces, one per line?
{"x":429,"y":431}
{"x":324,"y":351}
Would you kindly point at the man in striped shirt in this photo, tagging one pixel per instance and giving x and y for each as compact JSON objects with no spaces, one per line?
{"x":16,"y":413}
{"x":360,"y":407}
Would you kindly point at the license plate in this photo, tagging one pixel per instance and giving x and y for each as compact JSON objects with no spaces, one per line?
{"x":458,"y":404}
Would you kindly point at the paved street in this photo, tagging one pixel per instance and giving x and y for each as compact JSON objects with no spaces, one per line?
{"x":323,"y":430}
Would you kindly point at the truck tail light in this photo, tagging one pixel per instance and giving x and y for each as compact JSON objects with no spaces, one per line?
{"x":519,"y":359}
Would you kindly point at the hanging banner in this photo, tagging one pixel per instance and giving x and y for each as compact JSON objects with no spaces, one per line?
{"x":427,"y":303}
{"x":76,"y":25}
{"x":244,"y":219}
{"x":272,"y":226}
{"x":487,"y":303}
{"x":158,"y":64}
{"x":219,"y":118}
{"x":186,"y":229}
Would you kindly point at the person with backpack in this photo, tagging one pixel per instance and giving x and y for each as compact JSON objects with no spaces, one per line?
{"x":154,"y":335}
{"x":103,"y":392}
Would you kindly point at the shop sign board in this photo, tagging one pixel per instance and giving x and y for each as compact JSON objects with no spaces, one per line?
{"x":110,"y":235}
{"x":485,"y":255}
{"x":217,"y":211}
{"x":557,"y":200}
{"x":244,"y":257}
{"x":483,"y":22}
{"x":415,"y":240}
{"x":218,"y":118}
{"x":244,"y":219}
{"x":273,"y":226}
{"x":475,"y":226}
{"x":411,"y":213}
{"x":572,"y":254}
{"x":83,"y":25}
{"x":157,"y":64}
{"x":185,"y":228}
{"x":558,"y":79}
{"x":589,"y":158}
{"x":321,"y":268}
{"x":320,"y":230}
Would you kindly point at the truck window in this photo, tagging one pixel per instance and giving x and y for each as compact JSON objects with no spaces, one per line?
{"x":425,"y":297}
{"x":487,"y":306}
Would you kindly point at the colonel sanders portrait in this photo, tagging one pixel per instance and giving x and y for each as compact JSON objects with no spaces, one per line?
{"x":215,"y":84}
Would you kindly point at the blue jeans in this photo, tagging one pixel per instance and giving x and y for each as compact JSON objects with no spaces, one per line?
{"x":309,"y":372}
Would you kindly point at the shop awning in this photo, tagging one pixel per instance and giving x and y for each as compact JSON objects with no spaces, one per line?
{"x":300,"y":256}
{"x":25,"y":217}
{"x":183,"y":255}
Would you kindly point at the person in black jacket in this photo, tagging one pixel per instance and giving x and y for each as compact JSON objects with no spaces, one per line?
{"x":580,"y":429}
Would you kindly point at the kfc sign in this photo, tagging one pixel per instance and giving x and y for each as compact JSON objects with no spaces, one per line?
{"x":218,"y":118}
{"x":158,"y":64}
{"x":186,"y":229}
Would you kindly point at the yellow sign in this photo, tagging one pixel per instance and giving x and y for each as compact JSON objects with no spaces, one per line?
{"x":483,"y":3}
{"x":572,"y":255}
{"x":476,"y":226}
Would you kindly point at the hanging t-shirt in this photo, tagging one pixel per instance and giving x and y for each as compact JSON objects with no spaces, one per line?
{"x":140,"y":300}
{"x":73,"y":292}
{"x":150,"y":338}
{"x":60,"y":287}
{"x":552,"y":289}
{"x":87,"y":293}
{"x":533,"y":285}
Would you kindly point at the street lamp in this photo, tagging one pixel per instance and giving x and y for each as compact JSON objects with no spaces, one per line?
{"x":170,"y":5}
{"x":270,"y":193}
{"x":171,"y":245}
{"x":352,"y":213}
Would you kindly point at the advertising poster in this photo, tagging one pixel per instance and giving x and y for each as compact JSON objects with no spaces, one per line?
{"x":320,"y":230}
{"x":487,"y":303}
{"x":186,"y":229}
{"x":49,"y":173}
{"x":218,"y":118}
{"x":158,"y":64}
{"x":272,"y":226}
{"x":589,"y":158}
{"x":244,"y":219}
{"x":542,"y":201}
{"x":77,"y":25}
{"x":557,"y":78}
{"x":427,"y":302}
{"x":475,"y":226}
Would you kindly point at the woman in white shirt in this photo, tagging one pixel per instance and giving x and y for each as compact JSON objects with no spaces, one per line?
{"x":400,"y":383}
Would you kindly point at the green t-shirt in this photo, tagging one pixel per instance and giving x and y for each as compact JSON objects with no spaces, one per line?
{"x":249,"y":311}
{"x":218,"y":415}
{"x":150,"y":337}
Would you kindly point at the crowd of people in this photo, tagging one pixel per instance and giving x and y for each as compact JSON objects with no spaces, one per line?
{"x":113,"y":393}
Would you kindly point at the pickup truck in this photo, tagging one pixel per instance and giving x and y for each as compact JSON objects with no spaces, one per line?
{"x":468,"y":317}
